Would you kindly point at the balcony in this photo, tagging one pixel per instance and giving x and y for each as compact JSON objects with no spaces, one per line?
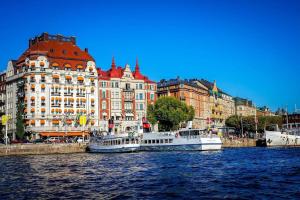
{"x":69,"y":82}
{"x":128,"y":90}
{"x":55,"y":105}
{"x":32,"y":80}
{"x":43,"y":104}
{"x":80,"y":105}
{"x":55,"y":93}
{"x":68,"y":94}
{"x":69,"y":105}
{"x":43,"y":80}
{"x":80,"y":94}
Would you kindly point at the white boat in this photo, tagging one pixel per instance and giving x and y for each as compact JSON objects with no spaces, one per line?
{"x":288,"y":136}
{"x":182,"y":140}
{"x":121,"y":143}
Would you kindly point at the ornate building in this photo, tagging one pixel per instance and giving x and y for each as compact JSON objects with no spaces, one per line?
{"x":124,"y":96}
{"x":221,"y":104}
{"x":51,"y":85}
{"x":192,"y":92}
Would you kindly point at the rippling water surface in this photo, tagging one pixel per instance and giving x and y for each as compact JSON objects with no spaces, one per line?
{"x":242,"y":173}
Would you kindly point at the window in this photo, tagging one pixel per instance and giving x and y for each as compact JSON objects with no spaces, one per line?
{"x":141,"y":86}
{"x":127,"y":86}
{"x":103,"y":94}
{"x":151,"y":96}
{"x":103,"y":105}
{"x":141,"y":96}
{"x":141,"y":106}
{"x":117,"y":85}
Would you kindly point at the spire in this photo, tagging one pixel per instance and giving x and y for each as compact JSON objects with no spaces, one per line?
{"x":113,"y":64}
{"x":215,"y":89}
{"x":137,"y":67}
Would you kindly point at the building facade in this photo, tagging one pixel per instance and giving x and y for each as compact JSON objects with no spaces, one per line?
{"x":2,"y":93}
{"x":192,"y":92}
{"x":221,"y":105}
{"x":51,"y":85}
{"x":124,"y":95}
{"x":244,"y":107}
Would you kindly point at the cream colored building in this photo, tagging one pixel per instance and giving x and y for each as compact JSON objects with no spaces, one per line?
{"x":57,"y":82}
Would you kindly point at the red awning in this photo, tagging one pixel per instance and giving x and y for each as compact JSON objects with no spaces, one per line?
{"x":61,"y":134}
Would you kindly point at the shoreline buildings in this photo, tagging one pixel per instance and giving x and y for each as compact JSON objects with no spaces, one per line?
{"x":124,"y":96}
{"x":50,"y":85}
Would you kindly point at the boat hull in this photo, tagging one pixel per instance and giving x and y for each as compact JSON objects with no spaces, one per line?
{"x":277,"y":138}
{"x":115,"y":149}
{"x":174,"y":147}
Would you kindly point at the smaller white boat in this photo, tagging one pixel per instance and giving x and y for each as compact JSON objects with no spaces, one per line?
{"x":121,"y":143}
{"x":182,"y":140}
{"x":288,"y":137}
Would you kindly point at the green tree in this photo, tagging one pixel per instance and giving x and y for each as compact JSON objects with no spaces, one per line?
{"x":264,"y":122}
{"x":169,"y":112}
{"x":20,"y":130}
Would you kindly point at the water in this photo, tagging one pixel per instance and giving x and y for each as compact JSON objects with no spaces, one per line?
{"x":242,"y":173}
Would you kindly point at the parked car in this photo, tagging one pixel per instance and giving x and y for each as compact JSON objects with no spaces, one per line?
{"x":53,"y":140}
{"x":38,"y":141}
{"x":79,"y":140}
{"x":19,"y":141}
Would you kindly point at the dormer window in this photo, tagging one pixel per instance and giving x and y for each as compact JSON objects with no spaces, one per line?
{"x":51,"y":50}
{"x":64,"y":51}
{"x":75,"y":53}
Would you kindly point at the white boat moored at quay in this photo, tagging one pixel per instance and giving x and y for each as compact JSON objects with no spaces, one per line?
{"x":182,"y":140}
{"x":288,"y":136}
{"x":121,"y":143}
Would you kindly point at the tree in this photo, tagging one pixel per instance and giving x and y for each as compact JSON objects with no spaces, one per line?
{"x":264,"y":122}
{"x":169,"y":112}
{"x":20,"y":130}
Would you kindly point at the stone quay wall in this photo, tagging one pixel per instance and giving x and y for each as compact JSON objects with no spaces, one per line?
{"x":35,"y":149}
{"x":238,"y":142}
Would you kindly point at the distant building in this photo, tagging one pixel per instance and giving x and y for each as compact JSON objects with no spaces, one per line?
{"x":124,"y":95}
{"x":244,"y":107}
{"x":51,"y":84}
{"x":192,"y":92}
{"x":292,"y":119}
{"x":264,"y":111}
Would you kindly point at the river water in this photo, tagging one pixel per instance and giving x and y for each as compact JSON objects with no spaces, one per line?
{"x":241,"y":173}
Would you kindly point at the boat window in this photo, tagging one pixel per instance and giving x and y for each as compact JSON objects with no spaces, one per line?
{"x":132,"y":141}
{"x":157,"y":141}
{"x":170,"y":140}
{"x":166,"y":141}
{"x":153,"y":141}
{"x":119,"y":142}
{"x":161,"y":141}
{"x":127,"y":141}
{"x":146,"y":141}
{"x":149,"y":141}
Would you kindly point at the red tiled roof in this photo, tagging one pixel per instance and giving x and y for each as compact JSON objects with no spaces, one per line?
{"x":57,"y":51}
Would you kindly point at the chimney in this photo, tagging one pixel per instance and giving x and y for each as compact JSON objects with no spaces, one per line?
{"x":86,"y":50}
{"x":73,"y":40}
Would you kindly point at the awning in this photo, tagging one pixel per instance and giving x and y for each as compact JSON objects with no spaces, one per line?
{"x":42,"y":121}
{"x":43,"y":86}
{"x":55,"y":76}
{"x":32,"y":86}
{"x":43,"y":98}
{"x":32,"y":122}
{"x":43,"y":110}
{"x":55,"y":121}
{"x":54,"y":65}
{"x":31,"y":75}
{"x":91,"y":68}
{"x":92,"y":122}
{"x":92,"y":100}
{"x":42,"y":64}
{"x":92,"y":111}
{"x":25,"y":111}
{"x":79,"y":66}
{"x":69,"y":121}
{"x":61,"y":134}
{"x":32,"y":98}
{"x":68,"y":77}
{"x":129,"y":114}
{"x":80,"y":78}
{"x":92,"y":79}
{"x":32,"y":64}
{"x":43,"y":75}
{"x":67,"y":66}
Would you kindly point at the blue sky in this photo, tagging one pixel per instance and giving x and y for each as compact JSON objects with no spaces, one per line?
{"x":251,"y":47}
